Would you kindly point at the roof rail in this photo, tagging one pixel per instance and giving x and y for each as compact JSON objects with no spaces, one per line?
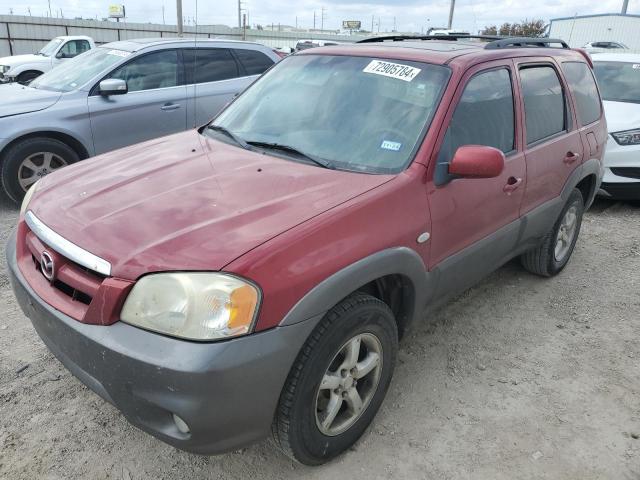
{"x":524,"y":42}
{"x":452,"y":37}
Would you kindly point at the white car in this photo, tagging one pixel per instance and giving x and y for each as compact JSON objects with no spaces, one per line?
{"x":618,"y":76}
{"x":593,"y":47}
{"x":24,"y":68}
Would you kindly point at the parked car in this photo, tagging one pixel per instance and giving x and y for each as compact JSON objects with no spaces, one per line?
{"x":618,"y":75}
{"x":255,"y":275}
{"x":117,"y":95}
{"x":24,"y":68}
{"x":306,"y":44}
{"x":593,"y":47}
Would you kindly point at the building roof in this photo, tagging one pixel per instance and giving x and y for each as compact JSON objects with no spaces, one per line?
{"x":579,"y":17}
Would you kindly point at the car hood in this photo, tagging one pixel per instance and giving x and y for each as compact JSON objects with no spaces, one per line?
{"x":622,"y":115}
{"x":16,"y":99}
{"x":22,"y":59}
{"x":186,"y":202}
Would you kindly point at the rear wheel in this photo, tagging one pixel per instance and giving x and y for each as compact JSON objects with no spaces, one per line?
{"x":555,"y":250}
{"x":25,"y":162}
{"x":338,"y":381}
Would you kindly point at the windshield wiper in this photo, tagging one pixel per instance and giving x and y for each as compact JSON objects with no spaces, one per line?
{"x":289,"y":149}
{"x":232,"y":136}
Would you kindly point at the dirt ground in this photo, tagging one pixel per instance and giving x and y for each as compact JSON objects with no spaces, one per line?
{"x":519,"y":378}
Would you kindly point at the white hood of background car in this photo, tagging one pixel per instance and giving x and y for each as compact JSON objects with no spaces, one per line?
{"x":622,"y":115}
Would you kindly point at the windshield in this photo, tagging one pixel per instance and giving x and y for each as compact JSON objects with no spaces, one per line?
{"x":618,"y":81}
{"x":79,"y":70}
{"x":356,"y":113}
{"x":50,"y":48}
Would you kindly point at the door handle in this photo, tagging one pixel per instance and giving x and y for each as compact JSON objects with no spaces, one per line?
{"x":170,"y":106}
{"x":571,"y":157}
{"x":512,"y":184}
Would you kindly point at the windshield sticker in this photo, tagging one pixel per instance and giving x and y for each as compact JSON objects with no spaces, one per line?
{"x":392,"y":70}
{"x":119,"y":53}
{"x":636,"y":66}
{"x":393,"y":146}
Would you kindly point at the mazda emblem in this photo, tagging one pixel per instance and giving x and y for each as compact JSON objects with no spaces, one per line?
{"x":47,"y":266}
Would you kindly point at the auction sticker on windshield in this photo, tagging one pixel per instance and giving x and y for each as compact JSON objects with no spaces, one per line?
{"x":392,"y":70}
{"x":119,"y":53}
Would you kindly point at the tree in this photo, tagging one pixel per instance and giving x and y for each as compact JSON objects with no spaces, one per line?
{"x":526,"y":28}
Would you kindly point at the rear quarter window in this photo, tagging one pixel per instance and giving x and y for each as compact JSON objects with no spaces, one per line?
{"x":544,"y":103}
{"x":585,"y":91}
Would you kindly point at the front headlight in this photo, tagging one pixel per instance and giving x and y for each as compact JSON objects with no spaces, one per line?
{"x":195,"y":306}
{"x":627,"y":137}
{"x":27,"y":198}
{"x":4,"y":68}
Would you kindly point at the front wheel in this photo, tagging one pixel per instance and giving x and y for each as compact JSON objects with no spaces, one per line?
{"x":555,"y":250}
{"x":25,"y":162}
{"x":338,"y":381}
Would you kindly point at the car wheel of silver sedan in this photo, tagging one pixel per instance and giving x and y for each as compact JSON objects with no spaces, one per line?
{"x":338,"y":382}
{"x":27,"y":161}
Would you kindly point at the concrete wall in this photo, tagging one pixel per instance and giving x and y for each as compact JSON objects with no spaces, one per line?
{"x":21,"y":34}
{"x":581,"y":30}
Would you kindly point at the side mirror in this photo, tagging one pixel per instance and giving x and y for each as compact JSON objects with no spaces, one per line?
{"x":113,"y":86}
{"x":61,"y":54}
{"x":477,"y":161}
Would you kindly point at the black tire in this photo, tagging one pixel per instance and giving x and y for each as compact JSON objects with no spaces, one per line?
{"x":25,"y":77}
{"x":542,"y":259}
{"x":295,"y":428}
{"x":13,"y":158}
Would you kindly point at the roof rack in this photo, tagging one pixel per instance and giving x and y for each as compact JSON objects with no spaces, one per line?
{"x":524,"y":42}
{"x":452,"y":37}
{"x":493,"y":42}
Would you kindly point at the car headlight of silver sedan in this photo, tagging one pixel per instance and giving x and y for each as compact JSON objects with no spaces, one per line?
{"x":196,"y":306}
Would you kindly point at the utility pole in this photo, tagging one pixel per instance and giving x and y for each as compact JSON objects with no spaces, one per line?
{"x":371,"y":23}
{"x":163,"y":22}
{"x":50,"y":15}
{"x":322,"y":10}
{"x":239,"y":13}
{"x":314,"y":19}
{"x":625,"y":5}
{"x":395,"y":27}
{"x":453,"y":6}
{"x":180,"y":19}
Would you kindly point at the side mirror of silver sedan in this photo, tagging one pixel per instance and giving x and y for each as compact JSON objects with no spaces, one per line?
{"x":113,"y":86}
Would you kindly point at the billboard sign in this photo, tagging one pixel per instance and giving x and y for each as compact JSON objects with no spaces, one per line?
{"x":351,"y":24}
{"x":116,"y":11}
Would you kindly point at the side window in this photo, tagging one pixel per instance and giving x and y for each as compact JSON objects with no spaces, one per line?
{"x":544,"y":103}
{"x":583,"y":86}
{"x":74,"y":48}
{"x":205,"y":65}
{"x":254,"y":62}
{"x":484,"y":116}
{"x":149,"y":72}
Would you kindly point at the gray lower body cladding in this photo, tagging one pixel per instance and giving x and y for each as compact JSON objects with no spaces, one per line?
{"x":226,"y":392}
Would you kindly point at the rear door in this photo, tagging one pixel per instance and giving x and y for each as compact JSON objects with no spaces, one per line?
{"x":475,"y":221}
{"x":155,"y":105}
{"x":553,"y":146}
{"x":582,"y":86}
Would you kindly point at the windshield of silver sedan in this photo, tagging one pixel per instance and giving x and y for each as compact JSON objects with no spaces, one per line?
{"x":351,"y":113}
{"x":74,"y":73}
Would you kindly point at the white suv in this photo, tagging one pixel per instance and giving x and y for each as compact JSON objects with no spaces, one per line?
{"x":618,"y":76}
{"x":24,"y":68}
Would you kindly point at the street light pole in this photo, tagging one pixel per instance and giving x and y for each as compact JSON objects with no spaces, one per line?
{"x":179,"y":12}
{"x":453,"y":6}
{"x":625,"y":5}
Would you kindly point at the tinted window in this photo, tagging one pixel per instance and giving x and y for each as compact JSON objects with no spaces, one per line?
{"x":619,"y":81}
{"x":484,"y":116}
{"x":148,"y":72}
{"x":254,"y":62}
{"x":205,"y":65}
{"x":544,"y":104}
{"x":584,"y":90}
{"x":74,"y":48}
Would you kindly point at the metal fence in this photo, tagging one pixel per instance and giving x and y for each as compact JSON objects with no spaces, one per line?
{"x":25,"y":34}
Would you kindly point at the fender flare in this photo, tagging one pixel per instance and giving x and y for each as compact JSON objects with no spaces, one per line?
{"x":590,"y":167}
{"x":27,"y":67}
{"x":393,"y":261}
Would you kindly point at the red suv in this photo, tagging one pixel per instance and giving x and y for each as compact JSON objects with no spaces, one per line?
{"x":255,"y":276}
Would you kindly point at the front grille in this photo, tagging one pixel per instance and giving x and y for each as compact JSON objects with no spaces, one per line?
{"x":629,"y":172}
{"x":73,"y":289}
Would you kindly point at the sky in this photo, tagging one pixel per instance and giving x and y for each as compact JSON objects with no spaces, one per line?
{"x":406,"y":15}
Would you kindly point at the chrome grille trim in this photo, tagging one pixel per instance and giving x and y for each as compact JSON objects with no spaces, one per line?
{"x":65,"y":247}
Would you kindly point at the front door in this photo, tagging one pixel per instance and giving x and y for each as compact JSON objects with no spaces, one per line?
{"x":154,"y":106}
{"x":475,"y":221}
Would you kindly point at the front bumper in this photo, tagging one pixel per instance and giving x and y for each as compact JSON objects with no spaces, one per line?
{"x":621,"y":191}
{"x":226,"y":392}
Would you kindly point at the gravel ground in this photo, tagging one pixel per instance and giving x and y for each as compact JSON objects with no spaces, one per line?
{"x":520,"y":377}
